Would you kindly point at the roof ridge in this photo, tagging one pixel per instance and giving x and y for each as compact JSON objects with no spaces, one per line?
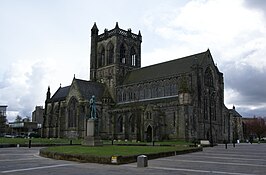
{"x":181,"y":58}
{"x":171,"y":67}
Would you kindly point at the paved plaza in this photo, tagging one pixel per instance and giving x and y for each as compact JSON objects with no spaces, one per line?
{"x":244,"y":159}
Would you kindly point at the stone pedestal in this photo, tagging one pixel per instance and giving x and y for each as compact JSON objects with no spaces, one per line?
{"x":92,"y":136}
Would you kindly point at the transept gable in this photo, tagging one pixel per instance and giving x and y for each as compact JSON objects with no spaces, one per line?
{"x":60,"y":94}
{"x":83,"y":90}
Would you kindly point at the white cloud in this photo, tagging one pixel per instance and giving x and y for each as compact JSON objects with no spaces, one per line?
{"x":49,"y":48}
{"x":25,"y":83}
{"x":235,"y":34}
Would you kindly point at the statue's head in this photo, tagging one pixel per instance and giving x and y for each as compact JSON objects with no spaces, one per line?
{"x":93,"y":97}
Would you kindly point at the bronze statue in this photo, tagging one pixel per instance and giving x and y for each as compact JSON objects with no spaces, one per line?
{"x":92,"y":108}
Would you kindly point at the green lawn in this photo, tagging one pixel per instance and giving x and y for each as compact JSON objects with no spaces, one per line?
{"x":115,"y":150}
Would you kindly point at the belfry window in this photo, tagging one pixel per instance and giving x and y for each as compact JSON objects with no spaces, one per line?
{"x":133,"y":57}
{"x":110,"y":54}
{"x":101,"y":59}
{"x":122,"y":54}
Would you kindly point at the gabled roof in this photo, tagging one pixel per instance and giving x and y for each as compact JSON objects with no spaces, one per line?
{"x":86,"y":89}
{"x":235,"y":113}
{"x":60,"y":94}
{"x":166,"y":69}
{"x":89,"y":88}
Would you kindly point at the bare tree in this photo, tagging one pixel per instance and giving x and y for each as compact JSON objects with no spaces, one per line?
{"x":257,"y":126}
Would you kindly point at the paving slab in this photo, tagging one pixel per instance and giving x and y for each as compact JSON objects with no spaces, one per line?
{"x":243,"y":159}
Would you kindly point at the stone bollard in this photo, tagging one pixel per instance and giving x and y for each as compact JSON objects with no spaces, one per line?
{"x":142,"y":161}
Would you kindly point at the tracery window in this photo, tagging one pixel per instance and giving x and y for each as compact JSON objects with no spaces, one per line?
{"x":72,"y":112}
{"x":208,"y":78}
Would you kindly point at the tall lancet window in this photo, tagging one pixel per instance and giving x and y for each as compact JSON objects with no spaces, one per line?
{"x":208,"y":78}
{"x":123,"y":54}
{"x":133,"y":57}
{"x":72,"y":112}
{"x":101,"y":57}
{"x":110,"y":54}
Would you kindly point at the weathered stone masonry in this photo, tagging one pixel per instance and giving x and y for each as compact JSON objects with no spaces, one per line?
{"x":178,"y":99}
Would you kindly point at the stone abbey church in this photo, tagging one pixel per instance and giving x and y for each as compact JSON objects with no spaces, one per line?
{"x":178,"y":99}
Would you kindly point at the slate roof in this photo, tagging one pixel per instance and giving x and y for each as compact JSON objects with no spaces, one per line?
{"x":89,"y":88}
{"x":86,"y":89}
{"x":60,"y":94}
{"x":235,"y":113}
{"x":165,"y":69}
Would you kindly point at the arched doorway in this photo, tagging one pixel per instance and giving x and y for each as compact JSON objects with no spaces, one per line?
{"x":149,"y":134}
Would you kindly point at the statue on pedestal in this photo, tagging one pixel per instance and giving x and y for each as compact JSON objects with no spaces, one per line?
{"x":92,"y":108}
{"x":92,"y":131}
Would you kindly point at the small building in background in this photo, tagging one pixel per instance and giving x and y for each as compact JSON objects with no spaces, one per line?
{"x":37,"y":115}
{"x":235,"y":126}
{"x":24,"y":129}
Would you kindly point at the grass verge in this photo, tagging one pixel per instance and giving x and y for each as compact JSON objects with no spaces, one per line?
{"x":115,"y":150}
{"x":113,"y":154}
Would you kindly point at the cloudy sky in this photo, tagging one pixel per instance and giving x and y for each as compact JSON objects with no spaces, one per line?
{"x":46,"y":42}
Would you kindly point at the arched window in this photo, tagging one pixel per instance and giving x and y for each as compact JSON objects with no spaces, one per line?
{"x":133,"y":57}
{"x":132,"y":124}
{"x":123,"y":54}
{"x":72,"y":112}
{"x":110,"y":54}
{"x":124,"y":96}
{"x":120,"y":124}
{"x":208,"y":78}
{"x":101,"y":57}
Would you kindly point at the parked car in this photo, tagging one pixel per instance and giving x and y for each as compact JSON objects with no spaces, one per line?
{"x":33,"y":135}
{"x":9,"y":136}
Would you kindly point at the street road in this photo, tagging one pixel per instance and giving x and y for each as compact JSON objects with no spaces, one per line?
{"x":244,"y":159}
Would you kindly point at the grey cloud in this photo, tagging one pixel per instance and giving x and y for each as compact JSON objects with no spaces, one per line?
{"x":250,"y":83}
{"x":247,"y":112}
{"x":22,"y":98}
{"x":258,"y":4}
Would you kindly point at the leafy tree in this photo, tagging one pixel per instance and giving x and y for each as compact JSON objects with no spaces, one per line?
{"x":26,"y":119}
{"x":3,"y":122}
{"x":18,"y":119}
